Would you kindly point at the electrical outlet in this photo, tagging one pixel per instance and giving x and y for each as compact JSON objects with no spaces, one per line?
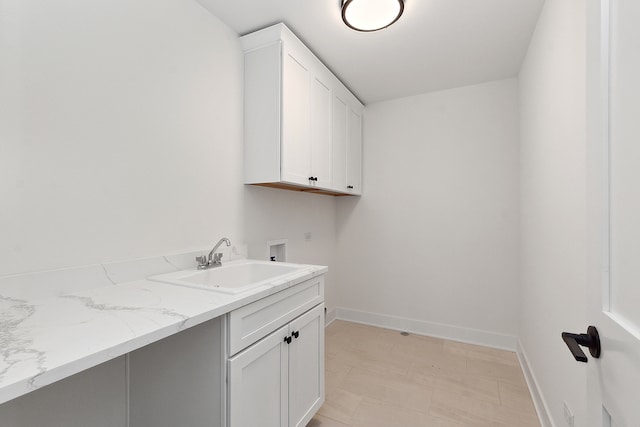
{"x":568,"y":416}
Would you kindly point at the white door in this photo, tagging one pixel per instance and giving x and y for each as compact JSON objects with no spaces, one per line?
{"x":306,"y":366}
{"x":296,"y":133}
{"x":320,"y":119}
{"x":339,"y":139}
{"x":258,"y":383}
{"x":613,"y":135}
{"x":354,"y":152}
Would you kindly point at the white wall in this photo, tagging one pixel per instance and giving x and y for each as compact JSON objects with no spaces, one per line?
{"x":121,"y":137}
{"x":273,"y":214}
{"x":434,"y":236}
{"x":553,"y":225}
{"x":127,"y":135}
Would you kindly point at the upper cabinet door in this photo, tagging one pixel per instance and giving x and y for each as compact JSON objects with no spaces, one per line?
{"x":354,"y":152}
{"x":320,"y":132}
{"x":339,"y":130}
{"x":347,"y":143}
{"x":296,"y":115}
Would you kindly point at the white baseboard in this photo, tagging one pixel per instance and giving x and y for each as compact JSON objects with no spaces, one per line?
{"x":432,"y":329}
{"x":329,"y":317}
{"x":538,"y":401}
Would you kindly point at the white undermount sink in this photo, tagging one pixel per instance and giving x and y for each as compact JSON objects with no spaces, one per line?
{"x":233,"y":277}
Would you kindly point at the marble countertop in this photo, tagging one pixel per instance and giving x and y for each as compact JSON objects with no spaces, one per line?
{"x":56,"y":324}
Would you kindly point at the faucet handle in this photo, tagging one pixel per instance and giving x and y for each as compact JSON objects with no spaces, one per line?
{"x":202,"y":260}
{"x":217,"y":257}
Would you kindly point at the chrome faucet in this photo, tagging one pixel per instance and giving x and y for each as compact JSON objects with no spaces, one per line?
{"x":214,"y":259}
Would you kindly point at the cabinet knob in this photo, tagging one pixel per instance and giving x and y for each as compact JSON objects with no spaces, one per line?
{"x":350,"y":187}
{"x":295,"y":334}
{"x":287,"y":340}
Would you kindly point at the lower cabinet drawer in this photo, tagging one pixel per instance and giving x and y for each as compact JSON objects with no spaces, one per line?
{"x":254,"y":321}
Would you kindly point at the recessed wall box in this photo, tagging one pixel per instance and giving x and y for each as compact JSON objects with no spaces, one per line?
{"x":277,"y":250}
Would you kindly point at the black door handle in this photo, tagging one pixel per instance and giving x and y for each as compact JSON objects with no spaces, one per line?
{"x":590,"y":340}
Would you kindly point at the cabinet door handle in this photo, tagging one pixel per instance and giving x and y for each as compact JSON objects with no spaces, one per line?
{"x":295,"y":334}
{"x":287,"y":340}
{"x":310,"y":178}
{"x":350,"y":187}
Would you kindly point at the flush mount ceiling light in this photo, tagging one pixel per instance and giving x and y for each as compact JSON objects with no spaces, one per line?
{"x":371,"y":15}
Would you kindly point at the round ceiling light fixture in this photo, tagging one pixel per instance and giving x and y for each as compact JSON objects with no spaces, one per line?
{"x":371,"y":15}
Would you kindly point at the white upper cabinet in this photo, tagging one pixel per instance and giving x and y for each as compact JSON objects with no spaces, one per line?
{"x":296,"y":116}
{"x":354,"y":152}
{"x":294,"y":137}
{"x":321,"y":132}
{"x":347,"y":143}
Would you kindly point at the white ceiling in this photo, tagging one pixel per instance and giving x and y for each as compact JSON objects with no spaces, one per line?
{"x":436,"y":44}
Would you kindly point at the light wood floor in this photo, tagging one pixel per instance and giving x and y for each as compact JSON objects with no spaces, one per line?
{"x":378,"y":378}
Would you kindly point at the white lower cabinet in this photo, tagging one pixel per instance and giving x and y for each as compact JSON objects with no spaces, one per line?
{"x":279,"y":380}
{"x":258,"y":383}
{"x":306,"y":367}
